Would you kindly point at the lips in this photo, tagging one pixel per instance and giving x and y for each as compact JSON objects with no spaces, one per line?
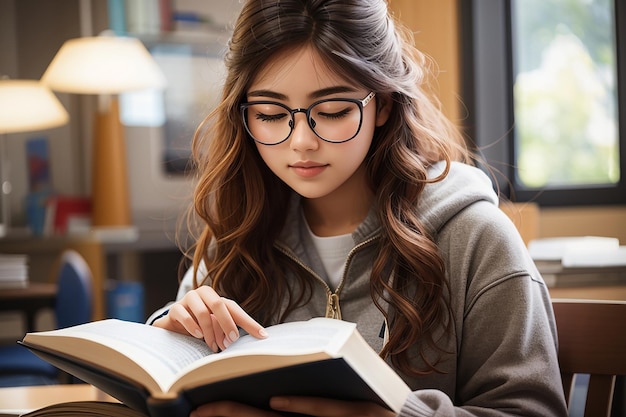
{"x":308,"y":169}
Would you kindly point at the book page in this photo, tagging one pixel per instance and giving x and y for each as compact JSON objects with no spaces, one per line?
{"x":173,"y":351}
{"x":287,"y":344}
{"x":296,"y":338}
{"x":166,"y":355}
{"x":161,"y":353}
{"x":318,"y":335}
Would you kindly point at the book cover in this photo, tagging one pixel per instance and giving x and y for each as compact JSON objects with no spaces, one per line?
{"x":38,"y":161}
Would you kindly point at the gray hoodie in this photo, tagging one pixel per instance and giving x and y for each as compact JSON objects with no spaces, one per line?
{"x":502,"y":356}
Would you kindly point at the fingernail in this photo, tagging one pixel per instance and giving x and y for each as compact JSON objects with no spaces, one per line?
{"x":215,"y":348}
{"x":262,"y":333}
{"x":233,"y":336}
{"x":198,"y":334}
{"x":227,"y":342}
{"x":278,"y":403}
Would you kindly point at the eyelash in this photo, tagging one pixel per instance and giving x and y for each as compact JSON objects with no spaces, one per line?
{"x":269,"y":118}
{"x":337,"y":115}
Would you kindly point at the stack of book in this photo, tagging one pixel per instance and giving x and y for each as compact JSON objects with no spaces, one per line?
{"x":13,"y":271}
{"x":580,"y":261}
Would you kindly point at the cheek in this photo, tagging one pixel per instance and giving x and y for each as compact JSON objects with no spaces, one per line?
{"x":361,"y":144}
{"x":348,"y":156}
{"x":269,"y":154}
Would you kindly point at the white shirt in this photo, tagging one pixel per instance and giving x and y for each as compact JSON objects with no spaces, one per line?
{"x":333,"y":252}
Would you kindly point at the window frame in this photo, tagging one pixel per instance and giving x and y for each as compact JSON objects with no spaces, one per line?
{"x":487,"y":92}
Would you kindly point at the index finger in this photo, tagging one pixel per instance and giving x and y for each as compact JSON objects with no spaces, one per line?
{"x":226,"y":315}
{"x":243,"y":320}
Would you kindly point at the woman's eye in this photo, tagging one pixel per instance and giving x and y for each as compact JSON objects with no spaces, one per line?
{"x":335,"y":115}
{"x":270,"y":117}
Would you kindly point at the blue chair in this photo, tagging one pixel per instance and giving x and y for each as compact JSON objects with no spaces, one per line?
{"x":18,"y":365}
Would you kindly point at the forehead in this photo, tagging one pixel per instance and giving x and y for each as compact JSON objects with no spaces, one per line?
{"x":297,"y":68}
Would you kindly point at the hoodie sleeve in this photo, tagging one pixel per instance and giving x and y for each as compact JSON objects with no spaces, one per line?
{"x":507,"y":359}
{"x":186,"y":285}
{"x":506,"y":340}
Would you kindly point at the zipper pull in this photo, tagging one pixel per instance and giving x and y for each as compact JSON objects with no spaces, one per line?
{"x":333,"y":310}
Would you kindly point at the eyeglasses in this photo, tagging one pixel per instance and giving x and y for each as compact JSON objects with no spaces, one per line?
{"x":334,"y":120}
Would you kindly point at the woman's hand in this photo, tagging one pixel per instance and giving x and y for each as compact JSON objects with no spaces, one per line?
{"x":202,"y":313}
{"x":312,"y":406}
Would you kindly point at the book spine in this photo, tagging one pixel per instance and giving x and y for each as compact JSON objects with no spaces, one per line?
{"x":165,"y":9}
{"x":117,"y":17}
{"x":178,"y":407}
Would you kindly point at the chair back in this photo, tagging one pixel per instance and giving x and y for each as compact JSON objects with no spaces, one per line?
{"x":592,"y":340}
{"x":74,"y":304}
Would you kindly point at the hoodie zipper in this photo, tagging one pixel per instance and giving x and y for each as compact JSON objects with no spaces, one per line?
{"x":333,"y":309}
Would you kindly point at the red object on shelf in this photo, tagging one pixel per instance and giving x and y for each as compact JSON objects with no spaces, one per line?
{"x":62,"y":208}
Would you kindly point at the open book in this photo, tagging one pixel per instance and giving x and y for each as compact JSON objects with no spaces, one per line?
{"x":163,"y":373}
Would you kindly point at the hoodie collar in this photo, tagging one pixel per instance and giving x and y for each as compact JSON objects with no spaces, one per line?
{"x":438,"y":203}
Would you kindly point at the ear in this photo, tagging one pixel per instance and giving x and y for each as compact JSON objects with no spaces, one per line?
{"x":383,"y":109}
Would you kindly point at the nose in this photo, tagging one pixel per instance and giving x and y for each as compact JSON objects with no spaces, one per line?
{"x":302,"y":137}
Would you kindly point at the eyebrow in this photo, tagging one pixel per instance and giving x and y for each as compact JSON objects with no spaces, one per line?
{"x":314,"y":95}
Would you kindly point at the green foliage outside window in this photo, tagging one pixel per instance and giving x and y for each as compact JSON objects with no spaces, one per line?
{"x":565,"y":93}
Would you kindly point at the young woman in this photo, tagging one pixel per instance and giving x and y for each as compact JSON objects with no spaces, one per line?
{"x":331,"y":185}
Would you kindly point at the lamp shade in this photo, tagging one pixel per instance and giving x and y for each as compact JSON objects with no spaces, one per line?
{"x":27,"y":105}
{"x":103,"y":65}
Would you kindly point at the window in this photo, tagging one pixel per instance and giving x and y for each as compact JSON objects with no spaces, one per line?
{"x":544,"y":87}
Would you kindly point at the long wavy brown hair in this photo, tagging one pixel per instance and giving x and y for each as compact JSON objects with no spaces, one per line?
{"x":240,"y":203}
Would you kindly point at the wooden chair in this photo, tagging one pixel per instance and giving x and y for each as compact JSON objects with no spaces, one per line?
{"x":592,"y":340}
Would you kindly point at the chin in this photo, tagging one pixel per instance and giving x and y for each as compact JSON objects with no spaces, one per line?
{"x":310,"y":192}
{"x":310,"y":195}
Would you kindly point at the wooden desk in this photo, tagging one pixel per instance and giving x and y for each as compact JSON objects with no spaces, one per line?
{"x":608,"y":292}
{"x":18,"y":400}
{"x":29,"y":300}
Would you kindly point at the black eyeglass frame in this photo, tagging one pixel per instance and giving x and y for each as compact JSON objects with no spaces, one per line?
{"x":310,"y":121}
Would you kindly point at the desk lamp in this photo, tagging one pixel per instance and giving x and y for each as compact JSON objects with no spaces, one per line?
{"x":25,"y":105}
{"x":106,"y":66}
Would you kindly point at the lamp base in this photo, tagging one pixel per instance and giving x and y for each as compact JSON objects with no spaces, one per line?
{"x":110,"y":201}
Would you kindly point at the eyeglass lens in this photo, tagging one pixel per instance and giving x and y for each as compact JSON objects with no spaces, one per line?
{"x":332,"y":120}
